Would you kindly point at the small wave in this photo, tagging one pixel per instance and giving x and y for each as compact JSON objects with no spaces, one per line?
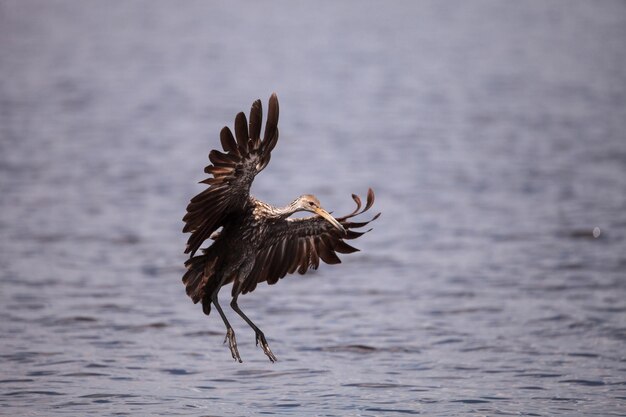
{"x":469,"y":310}
{"x":178,"y":371}
{"x":365,"y":349}
{"x":67,"y":321}
{"x":264,"y":373}
{"x":586,"y":382}
{"x":471,"y":401}
{"x":448,"y":341}
{"x":141,"y":327}
{"x":584,"y":354}
{"x":15,"y":381}
{"x":203,"y":333}
{"x":32,"y":392}
{"x":539,"y":375}
{"x":350,"y":348}
{"x":84,"y":374}
{"x":376,"y":385}
{"x":392,"y":410}
{"x":288,"y":405}
{"x":108,"y":395}
{"x":96,"y":365}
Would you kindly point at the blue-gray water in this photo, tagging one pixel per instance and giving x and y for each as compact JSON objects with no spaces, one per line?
{"x":494,"y":135}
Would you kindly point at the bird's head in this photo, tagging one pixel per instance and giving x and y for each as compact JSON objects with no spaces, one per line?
{"x":310,"y":203}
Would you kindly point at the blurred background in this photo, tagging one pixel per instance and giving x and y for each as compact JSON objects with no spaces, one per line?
{"x":492,"y":132}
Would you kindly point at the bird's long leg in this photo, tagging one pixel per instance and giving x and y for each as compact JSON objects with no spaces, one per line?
{"x":230,"y":333}
{"x":260,"y":337}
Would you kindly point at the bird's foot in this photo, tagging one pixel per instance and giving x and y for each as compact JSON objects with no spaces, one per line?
{"x":232,"y":344}
{"x":260,"y":338}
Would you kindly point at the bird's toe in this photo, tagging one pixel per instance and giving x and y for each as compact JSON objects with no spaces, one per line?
{"x":260,"y":338}
{"x":232,"y":344}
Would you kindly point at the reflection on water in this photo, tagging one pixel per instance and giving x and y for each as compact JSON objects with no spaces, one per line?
{"x":492,"y":134}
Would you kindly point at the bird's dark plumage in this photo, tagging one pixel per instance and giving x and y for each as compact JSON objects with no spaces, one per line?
{"x":257,"y":242}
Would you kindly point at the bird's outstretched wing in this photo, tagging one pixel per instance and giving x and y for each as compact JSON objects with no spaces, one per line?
{"x":233,"y":172}
{"x":299,"y":244}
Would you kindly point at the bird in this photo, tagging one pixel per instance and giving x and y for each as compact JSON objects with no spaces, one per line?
{"x":252,"y":241}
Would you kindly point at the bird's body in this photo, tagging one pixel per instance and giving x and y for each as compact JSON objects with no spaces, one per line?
{"x":257,"y":241}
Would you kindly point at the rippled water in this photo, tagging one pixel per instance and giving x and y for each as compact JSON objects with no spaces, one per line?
{"x":492,"y":132}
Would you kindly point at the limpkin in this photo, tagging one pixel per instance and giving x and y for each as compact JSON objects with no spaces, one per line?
{"x":257,"y":242}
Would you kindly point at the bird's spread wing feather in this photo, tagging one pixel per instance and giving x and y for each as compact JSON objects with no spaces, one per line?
{"x":244,"y":156}
{"x":299,"y":244}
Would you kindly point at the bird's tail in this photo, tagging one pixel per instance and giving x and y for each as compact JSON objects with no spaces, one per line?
{"x":199,"y":278}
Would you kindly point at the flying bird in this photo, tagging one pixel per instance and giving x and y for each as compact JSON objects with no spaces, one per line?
{"x":252,"y":241}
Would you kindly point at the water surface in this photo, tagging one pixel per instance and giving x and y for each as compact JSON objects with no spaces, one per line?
{"x":493,"y":134}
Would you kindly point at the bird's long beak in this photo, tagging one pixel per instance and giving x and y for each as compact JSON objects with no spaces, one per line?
{"x":326,"y":215}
